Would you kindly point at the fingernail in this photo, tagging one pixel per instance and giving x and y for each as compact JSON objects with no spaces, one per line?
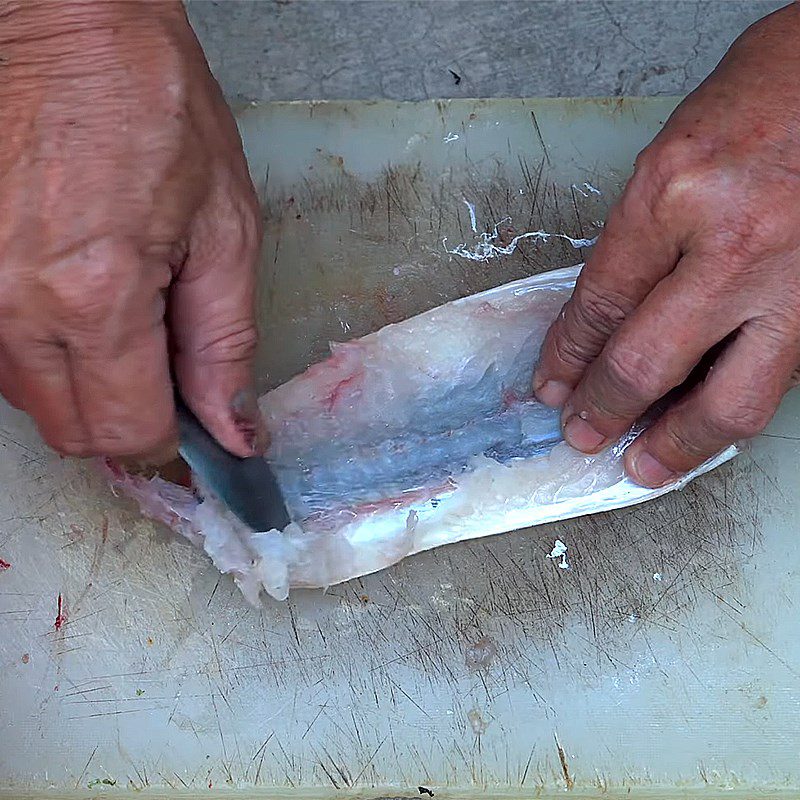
{"x":582,"y":436}
{"x":649,"y":471}
{"x":552,"y":393}
{"x":248,"y":420}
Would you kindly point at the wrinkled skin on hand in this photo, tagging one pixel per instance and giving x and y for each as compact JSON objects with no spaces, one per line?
{"x":702,"y":249}
{"x":129,"y":231}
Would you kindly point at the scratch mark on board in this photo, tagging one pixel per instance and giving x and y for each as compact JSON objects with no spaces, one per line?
{"x":86,"y":768}
{"x":562,"y":757}
{"x":61,"y":616}
{"x":539,"y":136}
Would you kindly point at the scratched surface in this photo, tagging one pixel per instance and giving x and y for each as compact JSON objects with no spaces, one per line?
{"x":666,"y":656}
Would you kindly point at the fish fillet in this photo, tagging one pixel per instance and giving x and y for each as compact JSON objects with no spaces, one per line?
{"x":418,"y":435}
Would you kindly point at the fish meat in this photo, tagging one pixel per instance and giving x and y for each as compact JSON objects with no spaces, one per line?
{"x":418,"y":435}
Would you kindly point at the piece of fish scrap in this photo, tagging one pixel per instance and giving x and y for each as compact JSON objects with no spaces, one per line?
{"x":421,"y":434}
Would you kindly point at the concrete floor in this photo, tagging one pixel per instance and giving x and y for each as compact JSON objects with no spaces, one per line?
{"x":396,"y":49}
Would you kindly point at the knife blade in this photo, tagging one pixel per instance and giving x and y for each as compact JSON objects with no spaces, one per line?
{"x":246,"y":485}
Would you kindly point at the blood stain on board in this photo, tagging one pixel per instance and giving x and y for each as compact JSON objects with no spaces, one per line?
{"x":4,"y":565}
{"x":479,"y":656}
{"x":26,"y":658}
{"x":61,"y":616}
{"x":76,"y":533}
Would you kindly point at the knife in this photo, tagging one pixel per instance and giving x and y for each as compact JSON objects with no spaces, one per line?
{"x":246,"y":485}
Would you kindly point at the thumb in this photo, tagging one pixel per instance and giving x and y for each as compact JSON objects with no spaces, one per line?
{"x":212,"y":323}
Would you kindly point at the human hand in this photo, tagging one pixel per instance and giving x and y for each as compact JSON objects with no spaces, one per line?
{"x":129,"y":231}
{"x":702,"y":248}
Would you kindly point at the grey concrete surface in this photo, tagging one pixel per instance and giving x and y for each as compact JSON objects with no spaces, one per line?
{"x":401,"y":50}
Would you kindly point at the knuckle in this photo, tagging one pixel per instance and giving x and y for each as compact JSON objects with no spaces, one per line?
{"x":632,"y":373}
{"x":111,"y":434}
{"x":588,"y":321}
{"x":645,"y":159}
{"x":739,"y":419}
{"x":680,"y":440}
{"x":74,"y":448}
{"x":250,"y":237}
{"x":235,"y":340}
{"x":252,"y":222}
{"x":741,"y":226}
{"x":116,"y":446}
{"x":128,"y":434}
{"x":660,"y":159}
{"x":239,"y":215}
{"x":657,"y":153}
{"x":680,"y":189}
{"x":744,"y":235}
{"x":13,"y":301}
{"x":69,"y":440}
{"x":81,"y":295}
{"x":676,"y":174}
{"x":568,"y":351}
{"x":597,"y":313}
{"x":245,"y":222}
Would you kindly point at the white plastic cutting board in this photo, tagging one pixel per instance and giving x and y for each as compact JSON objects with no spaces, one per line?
{"x":667,"y":656}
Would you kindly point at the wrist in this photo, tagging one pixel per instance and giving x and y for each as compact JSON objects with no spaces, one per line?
{"x":769,"y":41}
{"x":121,"y":52}
{"x":21,"y":19}
{"x":53,"y":27}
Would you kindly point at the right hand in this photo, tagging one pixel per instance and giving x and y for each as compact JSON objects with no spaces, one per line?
{"x":700,"y":258}
{"x":129,"y":232}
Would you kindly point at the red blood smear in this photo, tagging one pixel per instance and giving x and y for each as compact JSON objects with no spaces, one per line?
{"x":61,"y":617}
{"x":340,"y":389}
{"x":116,"y":470}
{"x":406,"y":499}
{"x":4,"y":565}
{"x":509,"y":398}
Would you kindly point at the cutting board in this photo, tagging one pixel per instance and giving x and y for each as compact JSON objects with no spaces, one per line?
{"x":665,"y":659}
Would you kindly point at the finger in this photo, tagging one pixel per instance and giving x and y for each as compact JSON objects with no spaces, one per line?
{"x":109,"y":320}
{"x":10,"y":381}
{"x":44,"y":391}
{"x":212,"y":321}
{"x":125,"y":396}
{"x":736,"y":401}
{"x":652,"y":353}
{"x":632,"y":255}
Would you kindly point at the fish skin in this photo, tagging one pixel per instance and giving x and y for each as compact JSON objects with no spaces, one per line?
{"x":420,"y":434}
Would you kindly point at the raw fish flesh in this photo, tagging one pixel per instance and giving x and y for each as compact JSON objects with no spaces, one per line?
{"x":421,"y":434}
